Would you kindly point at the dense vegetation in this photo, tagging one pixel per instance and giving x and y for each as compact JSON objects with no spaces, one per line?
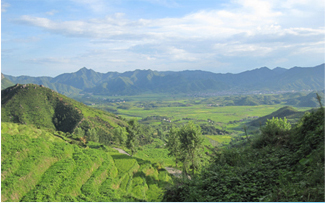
{"x":38,"y":165}
{"x":283,"y":163}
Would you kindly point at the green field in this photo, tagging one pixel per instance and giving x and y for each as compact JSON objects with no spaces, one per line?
{"x":158,"y":111}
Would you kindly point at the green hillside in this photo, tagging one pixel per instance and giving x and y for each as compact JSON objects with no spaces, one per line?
{"x":37,"y":165}
{"x":43,"y":107}
{"x":289,"y":112}
{"x":281,"y":164}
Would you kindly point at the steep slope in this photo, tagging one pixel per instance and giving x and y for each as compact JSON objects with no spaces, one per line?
{"x":43,"y":107}
{"x":5,"y":82}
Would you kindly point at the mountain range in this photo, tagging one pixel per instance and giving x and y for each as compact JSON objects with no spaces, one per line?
{"x":149,"y":81}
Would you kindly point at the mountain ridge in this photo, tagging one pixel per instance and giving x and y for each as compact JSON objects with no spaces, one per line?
{"x":187,"y":81}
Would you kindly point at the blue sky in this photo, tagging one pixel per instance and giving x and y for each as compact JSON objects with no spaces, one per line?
{"x":48,"y":38}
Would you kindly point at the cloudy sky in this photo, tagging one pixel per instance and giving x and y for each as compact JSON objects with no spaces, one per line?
{"x":47,"y":38}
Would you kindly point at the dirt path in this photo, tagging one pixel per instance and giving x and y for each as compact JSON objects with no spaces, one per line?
{"x":174,"y":171}
{"x":121,"y":151}
{"x":170,"y":170}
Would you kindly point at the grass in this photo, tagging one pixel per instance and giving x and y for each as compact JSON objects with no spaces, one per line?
{"x":220,"y":138}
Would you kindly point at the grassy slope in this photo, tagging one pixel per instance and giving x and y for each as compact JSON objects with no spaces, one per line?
{"x":39,"y":166}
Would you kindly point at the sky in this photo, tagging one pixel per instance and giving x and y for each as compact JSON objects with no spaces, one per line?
{"x":48,"y":38}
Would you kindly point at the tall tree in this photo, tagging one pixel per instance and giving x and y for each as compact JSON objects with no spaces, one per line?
{"x":120,"y":134}
{"x":92,"y":135}
{"x":173,"y":144}
{"x":78,"y":133}
{"x":191,"y":139}
{"x":133,"y":131}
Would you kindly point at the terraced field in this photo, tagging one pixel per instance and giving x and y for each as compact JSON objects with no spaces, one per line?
{"x":38,"y":166}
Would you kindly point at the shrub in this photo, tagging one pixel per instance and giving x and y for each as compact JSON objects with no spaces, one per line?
{"x":276,"y":131}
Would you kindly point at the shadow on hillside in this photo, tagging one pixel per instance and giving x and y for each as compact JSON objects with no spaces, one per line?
{"x":121,"y":156}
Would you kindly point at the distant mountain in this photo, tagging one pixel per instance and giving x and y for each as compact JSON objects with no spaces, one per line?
{"x":279,"y":70}
{"x":5,"y":82}
{"x":82,"y":79}
{"x":61,"y":88}
{"x":297,"y":78}
{"x":148,"y":81}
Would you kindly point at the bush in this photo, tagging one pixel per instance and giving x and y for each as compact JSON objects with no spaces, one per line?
{"x":276,"y":131}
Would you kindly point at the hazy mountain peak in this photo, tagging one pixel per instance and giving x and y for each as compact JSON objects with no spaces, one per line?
{"x":279,"y":70}
{"x":85,"y":70}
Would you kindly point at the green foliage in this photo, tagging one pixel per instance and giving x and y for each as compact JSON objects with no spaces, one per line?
{"x":92,"y":135}
{"x":275,"y":131}
{"x":287,"y":165}
{"x":133,"y":131}
{"x":173,"y":144}
{"x":191,"y":139}
{"x":66,"y":117}
{"x":120,"y":135}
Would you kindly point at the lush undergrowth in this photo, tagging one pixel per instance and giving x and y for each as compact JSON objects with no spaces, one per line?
{"x":37,"y":165}
{"x":283,"y":163}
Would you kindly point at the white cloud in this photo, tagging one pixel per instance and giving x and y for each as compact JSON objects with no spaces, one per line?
{"x":4,"y":6}
{"x":52,"y":12}
{"x":180,"y":54}
{"x":246,"y":28}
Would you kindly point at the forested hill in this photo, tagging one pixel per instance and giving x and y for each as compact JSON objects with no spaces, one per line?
{"x":25,"y":103}
{"x":148,"y":81}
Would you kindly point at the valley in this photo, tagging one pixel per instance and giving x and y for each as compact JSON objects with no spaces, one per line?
{"x":90,"y":147}
{"x":162,"y":101}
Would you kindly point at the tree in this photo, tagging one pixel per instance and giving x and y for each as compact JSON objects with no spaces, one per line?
{"x":173,"y":144}
{"x":92,"y":135}
{"x":190,"y":137}
{"x":120,"y":134}
{"x":133,"y":131}
{"x":78,"y":133}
